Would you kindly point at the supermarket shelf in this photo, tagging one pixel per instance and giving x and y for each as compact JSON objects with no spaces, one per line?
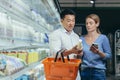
{"x":19,"y":73}
{"x":117,"y":54}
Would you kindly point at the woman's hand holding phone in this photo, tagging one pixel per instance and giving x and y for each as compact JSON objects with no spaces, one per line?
{"x":94,"y":48}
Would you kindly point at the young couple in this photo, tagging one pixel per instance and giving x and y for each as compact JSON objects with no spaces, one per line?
{"x":95,"y":48}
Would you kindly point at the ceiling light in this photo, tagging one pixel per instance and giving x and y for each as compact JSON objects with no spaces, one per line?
{"x":92,"y":1}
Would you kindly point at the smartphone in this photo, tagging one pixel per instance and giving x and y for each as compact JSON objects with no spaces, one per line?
{"x":95,"y":45}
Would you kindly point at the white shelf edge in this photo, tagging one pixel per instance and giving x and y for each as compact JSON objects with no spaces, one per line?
{"x":32,"y":46}
{"x":118,"y":54}
{"x":117,"y":75}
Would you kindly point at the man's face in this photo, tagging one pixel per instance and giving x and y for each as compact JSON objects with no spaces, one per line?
{"x":68,"y":22}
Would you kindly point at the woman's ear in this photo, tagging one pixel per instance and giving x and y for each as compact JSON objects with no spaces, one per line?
{"x":97,"y":24}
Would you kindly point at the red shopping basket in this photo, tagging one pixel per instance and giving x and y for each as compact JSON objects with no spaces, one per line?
{"x":62,"y":69}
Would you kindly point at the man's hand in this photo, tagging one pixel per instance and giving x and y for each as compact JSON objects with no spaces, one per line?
{"x":76,"y":50}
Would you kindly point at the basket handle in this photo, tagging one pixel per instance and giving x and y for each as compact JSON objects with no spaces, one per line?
{"x":61,"y":52}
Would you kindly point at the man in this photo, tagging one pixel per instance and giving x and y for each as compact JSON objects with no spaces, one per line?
{"x":65,"y":37}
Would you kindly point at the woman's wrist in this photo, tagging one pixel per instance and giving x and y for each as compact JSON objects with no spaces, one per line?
{"x":101,"y":53}
{"x":98,"y":51}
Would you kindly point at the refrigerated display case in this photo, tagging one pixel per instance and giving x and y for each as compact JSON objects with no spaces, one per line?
{"x":24,"y":26}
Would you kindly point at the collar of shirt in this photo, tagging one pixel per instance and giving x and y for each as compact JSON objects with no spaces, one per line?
{"x":65,"y":31}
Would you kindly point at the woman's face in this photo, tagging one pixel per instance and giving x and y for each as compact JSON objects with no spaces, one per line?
{"x":91,"y":25}
{"x":68,"y":22}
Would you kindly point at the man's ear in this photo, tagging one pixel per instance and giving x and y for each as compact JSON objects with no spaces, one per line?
{"x":61,"y":20}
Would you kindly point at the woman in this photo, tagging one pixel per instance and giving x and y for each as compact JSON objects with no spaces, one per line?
{"x":96,"y":50}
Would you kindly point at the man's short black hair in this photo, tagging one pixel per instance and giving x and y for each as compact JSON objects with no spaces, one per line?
{"x":67,"y":12}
